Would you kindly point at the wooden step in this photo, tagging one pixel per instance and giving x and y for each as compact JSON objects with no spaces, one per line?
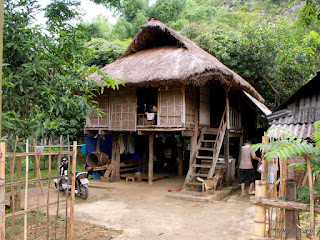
{"x":201,"y":165}
{"x":199,"y":175}
{"x":205,"y":149}
{"x":209,"y":141}
{"x":204,"y":157}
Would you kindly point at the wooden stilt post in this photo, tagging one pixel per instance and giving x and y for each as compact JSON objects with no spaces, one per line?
{"x":180,"y":157}
{"x":98,"y":144}
{"x":260,"y":210}
{"x":114,"y":155}
{"x":291,"y":216}
{"x":226,"y":156}
{"x":117,"y":166}
{"x":240,"y":152}
{"x":2,"y":188}
{"x":150,"y":175}
{"x":227,"y":139}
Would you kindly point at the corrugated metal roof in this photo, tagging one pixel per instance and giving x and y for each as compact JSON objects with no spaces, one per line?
{"x":263,"y":108}
{"x":300,"y":130}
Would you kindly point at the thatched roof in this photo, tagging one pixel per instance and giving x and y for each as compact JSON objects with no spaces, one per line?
{"x":159,"y":55}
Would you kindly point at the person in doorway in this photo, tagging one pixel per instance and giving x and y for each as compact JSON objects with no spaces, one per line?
{"x":152,"y":116}
{"x":247,"y":171}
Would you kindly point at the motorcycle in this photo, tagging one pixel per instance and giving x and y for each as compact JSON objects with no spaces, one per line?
{"x":82,"y":182}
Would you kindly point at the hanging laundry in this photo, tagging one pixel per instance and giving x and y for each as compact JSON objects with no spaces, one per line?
{"x":150,"y":116}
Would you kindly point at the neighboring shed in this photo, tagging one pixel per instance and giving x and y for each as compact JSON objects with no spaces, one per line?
{"x":297,"y":114}
{"x":196,"y":96}
{"x":299,"y":111}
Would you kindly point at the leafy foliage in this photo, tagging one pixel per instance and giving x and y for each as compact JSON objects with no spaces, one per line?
{"x":45,"y":86}
{"x":105,"y":51}
{"x":288,"y":146}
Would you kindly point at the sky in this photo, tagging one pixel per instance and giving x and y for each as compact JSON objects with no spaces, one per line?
{"x":90,"y":10}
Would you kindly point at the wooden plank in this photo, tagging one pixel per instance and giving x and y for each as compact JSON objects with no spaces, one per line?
{"x":150,"y":169}
{"x":283,"y":204}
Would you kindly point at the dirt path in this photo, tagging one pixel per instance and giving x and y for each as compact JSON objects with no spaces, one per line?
{"x":144,"y":212}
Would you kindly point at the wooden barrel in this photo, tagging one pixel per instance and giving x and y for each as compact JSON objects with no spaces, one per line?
{"x":96,"y":159}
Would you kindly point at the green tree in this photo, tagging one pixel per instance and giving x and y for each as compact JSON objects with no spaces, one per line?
{"x":168,"y":11}
{"x":98,"y":28}
{"x":105,"y":51}
{"x":44,"y":78}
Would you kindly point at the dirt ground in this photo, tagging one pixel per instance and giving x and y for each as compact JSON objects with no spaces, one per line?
{"x":140,"y":211}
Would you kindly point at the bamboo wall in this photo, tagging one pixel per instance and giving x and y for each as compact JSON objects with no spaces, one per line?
{"x":171,"y":104}
{"x":191,"y":104}
{"x":123,"y":110}
{"x":103,"y":104}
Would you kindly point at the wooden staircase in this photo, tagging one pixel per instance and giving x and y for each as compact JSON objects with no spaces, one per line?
{"x":205,"y":159}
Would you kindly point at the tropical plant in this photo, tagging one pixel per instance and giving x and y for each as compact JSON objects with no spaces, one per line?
{"x":289,"y":145}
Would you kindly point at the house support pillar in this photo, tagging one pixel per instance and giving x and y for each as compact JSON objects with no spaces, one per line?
{"x":115,"y":159}
{"x":180,"y":156}
{"x":194,"y":138}
{"x":150,"y":175}
{"x":227,"y":139}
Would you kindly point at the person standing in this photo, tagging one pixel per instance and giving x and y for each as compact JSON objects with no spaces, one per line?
{"x":247,"y":171}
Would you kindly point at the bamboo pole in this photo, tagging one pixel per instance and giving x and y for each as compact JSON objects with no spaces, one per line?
{"x":68,"y":184}
{"x":36,"y":157}
{"x":74,"y":166}
{"x":19,"y":171}
{"x":312,"y":217}
{"x":1,"y":56}
{"x":260,"y":211}
{"x":48,"y":193}
{"x":58,"y":195}
{"x":12,"y":203}
{"x":2,"y":179}
{"x":41,"y":184}
{"x":25,"y":230}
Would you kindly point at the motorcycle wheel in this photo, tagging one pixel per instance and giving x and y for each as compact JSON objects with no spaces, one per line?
{"x":84,"y":192}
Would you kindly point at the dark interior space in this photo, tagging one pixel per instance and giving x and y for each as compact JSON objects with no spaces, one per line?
{"x":217,"y":103}
{"x":146,"y":98}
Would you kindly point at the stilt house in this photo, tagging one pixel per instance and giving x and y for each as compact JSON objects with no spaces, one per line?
{"x":206,"y":108}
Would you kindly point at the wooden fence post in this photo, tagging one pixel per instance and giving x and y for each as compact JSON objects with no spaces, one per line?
{"x":260,"y":210}
{"x":2,"y":188}
{"x":291,"y":216}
